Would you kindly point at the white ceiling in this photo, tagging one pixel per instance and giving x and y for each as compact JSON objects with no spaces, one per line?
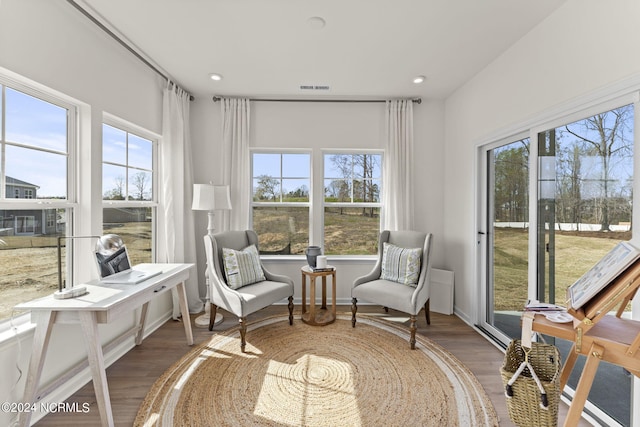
{"x":367,"y":49}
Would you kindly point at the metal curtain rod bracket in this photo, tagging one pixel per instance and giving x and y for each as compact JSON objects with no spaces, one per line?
{"x":415,"y":100}
{"x":123,"y":43}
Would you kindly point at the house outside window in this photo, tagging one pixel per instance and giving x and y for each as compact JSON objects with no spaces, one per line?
{"x":128,"y":187}
{"x":36,"y":136}
{"x":346,"y":218}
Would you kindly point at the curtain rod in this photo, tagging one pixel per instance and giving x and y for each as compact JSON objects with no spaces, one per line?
{"x":416,"y":100}
{"x":124,"y":44}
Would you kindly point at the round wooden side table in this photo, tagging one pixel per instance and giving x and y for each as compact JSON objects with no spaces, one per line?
{"x":318,"y":316}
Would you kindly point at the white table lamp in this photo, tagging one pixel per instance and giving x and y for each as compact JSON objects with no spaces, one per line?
{"x":209,"y":197}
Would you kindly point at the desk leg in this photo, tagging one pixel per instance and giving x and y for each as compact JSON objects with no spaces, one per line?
{"x":89,"y":324}
{"x":184,"y":308}
{"x":143,"y":321}
{"x":38,"y":352}
{"x":584,"y":385}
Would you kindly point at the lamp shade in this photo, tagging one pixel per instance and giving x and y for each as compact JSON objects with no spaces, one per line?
{"x":222,"y":197}
{"x":204,"y":197}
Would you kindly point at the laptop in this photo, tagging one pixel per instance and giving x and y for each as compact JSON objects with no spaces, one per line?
{"x":116,"y":268}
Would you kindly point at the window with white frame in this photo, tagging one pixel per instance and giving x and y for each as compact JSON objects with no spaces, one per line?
{"x":352,"y":188}
{"x":128,"y":189}
{"x":36,"y":158}
{"x":281,"y":200}
{"x":347,"y":217}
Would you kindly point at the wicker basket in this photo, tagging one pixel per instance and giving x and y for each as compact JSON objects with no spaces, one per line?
{"x":525,"y":404}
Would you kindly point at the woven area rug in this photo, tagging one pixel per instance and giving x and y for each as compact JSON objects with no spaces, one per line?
{"x":304,"y":375}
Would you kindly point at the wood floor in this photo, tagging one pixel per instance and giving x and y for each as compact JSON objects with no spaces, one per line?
{"x":132,"y":376}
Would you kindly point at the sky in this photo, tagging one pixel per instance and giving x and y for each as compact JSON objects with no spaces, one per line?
{"x":36,"y":132}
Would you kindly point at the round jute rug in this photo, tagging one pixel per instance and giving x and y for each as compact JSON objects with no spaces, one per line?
{"x":333,"y":375}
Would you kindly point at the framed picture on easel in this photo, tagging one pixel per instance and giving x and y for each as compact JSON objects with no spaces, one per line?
{"x":601,"y":274}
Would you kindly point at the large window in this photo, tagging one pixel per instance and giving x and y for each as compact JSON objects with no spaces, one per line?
{"x":129,"y":195}
{"x":281,"y":200}
{"x":352,"y":185}
{"x":339,"y":210}
{"x":36,"y":149}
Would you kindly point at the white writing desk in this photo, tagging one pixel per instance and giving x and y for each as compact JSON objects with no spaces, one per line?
{"x":102,"y":304}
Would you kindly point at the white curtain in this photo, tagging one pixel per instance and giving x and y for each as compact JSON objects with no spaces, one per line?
{"x":397,"y":171}
{"x":235,"y":138}
{"x":176,"y":235}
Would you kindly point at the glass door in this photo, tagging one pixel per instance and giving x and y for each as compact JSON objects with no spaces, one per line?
{"x":573,"y":179}
{"x":504,"y":229}
{"x":584,"y":208}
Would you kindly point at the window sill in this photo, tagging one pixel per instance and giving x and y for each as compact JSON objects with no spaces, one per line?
{"x":15,"y":328}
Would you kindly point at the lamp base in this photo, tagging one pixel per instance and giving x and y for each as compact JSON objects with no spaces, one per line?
{"x":203,"y":321}
{"x":70,"y":293}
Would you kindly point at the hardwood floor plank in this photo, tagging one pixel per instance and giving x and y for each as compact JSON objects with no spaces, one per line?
{"x":131,"y":377}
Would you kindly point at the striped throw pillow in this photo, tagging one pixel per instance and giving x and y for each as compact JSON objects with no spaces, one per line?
{"x":242,"y":267}
{"x":400,"y":265}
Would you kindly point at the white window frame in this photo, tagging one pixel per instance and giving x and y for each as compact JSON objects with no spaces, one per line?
{"x":308,"y":204}
{"x":131,"y":128}
{"x":70,"y":204}
{"x":316,"y":202}
{"x":323,"y":204}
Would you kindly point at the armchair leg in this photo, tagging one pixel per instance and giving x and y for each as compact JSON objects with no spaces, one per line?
{"x":243,"y":333}
{"x":426,"y":312}
{"x":413,"y":329}
{"x":291,"y":310}
{"x":354,"y":309}
{"x":212,"y":315}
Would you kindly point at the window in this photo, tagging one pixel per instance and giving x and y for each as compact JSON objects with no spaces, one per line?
{"x":347,"y":193}
{"x":36,"y":141}
{"x":352,"y":185}
{"x":281,"y":200}
{"x":129,"y":199}
{"x":127,"y":165}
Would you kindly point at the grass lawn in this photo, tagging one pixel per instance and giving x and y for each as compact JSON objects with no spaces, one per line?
{"x":575,"y":253}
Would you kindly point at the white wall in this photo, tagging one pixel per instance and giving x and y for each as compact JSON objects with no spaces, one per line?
{"x":319,"y":126}
{"x":586,"y":45}
{"x":53,"y":45}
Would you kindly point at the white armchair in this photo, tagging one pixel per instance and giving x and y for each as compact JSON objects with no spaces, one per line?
{"x":408,"y":298}
{"x":246,"y":299}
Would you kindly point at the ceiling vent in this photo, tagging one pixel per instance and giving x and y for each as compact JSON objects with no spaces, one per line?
{"x":314,"y":87}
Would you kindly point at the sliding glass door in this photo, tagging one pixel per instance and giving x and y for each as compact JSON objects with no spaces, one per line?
{"x":579,"y":208}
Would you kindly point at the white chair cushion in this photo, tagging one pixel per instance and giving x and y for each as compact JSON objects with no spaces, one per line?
{"x":388,"y":294}
{"x":401,"y":265}
{"x":242,"y":267}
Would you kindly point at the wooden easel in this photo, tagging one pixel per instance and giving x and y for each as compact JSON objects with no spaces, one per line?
{"x":598,"y":336}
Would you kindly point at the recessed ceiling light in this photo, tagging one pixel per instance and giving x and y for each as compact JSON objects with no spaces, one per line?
{"x":215,"y":76}
{"x":316,"y":22}
{"x":419,"y":79}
